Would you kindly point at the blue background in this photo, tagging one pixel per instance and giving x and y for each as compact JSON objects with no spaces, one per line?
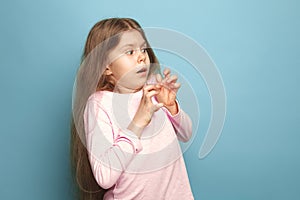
{"x":255,"y":45}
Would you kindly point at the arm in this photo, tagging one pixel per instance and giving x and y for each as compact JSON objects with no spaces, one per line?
{"x":110,"y":150}
{"x":168,"y":91}
{"x":181,"y":123}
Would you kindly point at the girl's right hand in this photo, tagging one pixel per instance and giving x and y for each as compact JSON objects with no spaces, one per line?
{"x":145,"y":110}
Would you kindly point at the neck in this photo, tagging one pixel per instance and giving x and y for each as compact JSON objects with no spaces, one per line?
{"x":124,"y":90}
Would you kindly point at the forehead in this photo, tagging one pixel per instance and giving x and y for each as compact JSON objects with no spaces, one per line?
{"x":132,"y":37}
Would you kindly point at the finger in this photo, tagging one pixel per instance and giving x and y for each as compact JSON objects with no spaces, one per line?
{"x":158,"y":86}
{"x":175,"y":87}
{"x":172,"y":78}
{"x":158,"y":78}
{"x":150,"y":94}
{"x":167,"y":72}
{"x":156,"y":107}
{"x":147,"y":88}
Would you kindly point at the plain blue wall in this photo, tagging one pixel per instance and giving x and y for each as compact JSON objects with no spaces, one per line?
{"x":255,"y":45}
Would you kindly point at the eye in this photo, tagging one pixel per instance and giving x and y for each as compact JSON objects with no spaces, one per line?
{"x":129,"y":52}
{"x":144,"y":50}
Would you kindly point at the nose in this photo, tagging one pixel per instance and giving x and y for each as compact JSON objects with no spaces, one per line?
{"x":141,"y":56}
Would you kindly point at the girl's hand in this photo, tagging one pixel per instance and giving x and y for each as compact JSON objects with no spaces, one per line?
{"x":168,"y":90}
{"x":145,"y":110}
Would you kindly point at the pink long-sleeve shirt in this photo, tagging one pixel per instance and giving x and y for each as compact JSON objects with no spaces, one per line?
{"x":148,"y":168}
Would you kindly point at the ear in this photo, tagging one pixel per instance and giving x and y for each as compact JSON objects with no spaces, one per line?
{"x":108,"y":71}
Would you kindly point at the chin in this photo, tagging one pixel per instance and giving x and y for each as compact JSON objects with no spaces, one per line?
{"x":139,"y":87}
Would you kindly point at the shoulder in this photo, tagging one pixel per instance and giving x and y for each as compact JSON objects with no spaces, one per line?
{"x":98,"y":107}
{"x":99,"y":100}
{"x":101,"y":97}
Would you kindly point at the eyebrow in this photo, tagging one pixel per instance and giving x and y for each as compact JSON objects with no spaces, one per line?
{"x":132,"y":45}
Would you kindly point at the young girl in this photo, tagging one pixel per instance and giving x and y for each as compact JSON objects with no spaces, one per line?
{"x":126,"y":121}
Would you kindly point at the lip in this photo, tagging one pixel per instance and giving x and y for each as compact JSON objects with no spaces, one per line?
{"x":142,"y":70}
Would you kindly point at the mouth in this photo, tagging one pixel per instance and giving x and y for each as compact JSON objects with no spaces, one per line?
{"x":142,"y":70}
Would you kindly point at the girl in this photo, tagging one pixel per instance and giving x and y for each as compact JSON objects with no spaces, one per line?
{"x":124,"y":131}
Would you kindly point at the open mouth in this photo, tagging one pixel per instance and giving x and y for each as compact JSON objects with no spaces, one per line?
{"x":144,"y":69}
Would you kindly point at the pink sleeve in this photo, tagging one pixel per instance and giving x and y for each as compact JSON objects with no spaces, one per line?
{"x":181,"y":123}
{"x":110,"y":149}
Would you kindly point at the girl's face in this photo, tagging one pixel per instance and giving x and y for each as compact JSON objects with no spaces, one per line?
{"x":129,"y":63}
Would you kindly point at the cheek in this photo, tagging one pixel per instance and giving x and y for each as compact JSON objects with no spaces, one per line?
{"x":147,"y":59}
{"x":123,"y":67}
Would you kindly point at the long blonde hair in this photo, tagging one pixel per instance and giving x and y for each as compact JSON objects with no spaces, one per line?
{"x":102,"y":38}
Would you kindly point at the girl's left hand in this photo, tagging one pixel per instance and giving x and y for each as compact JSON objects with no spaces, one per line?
{"x":168,"y":90}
